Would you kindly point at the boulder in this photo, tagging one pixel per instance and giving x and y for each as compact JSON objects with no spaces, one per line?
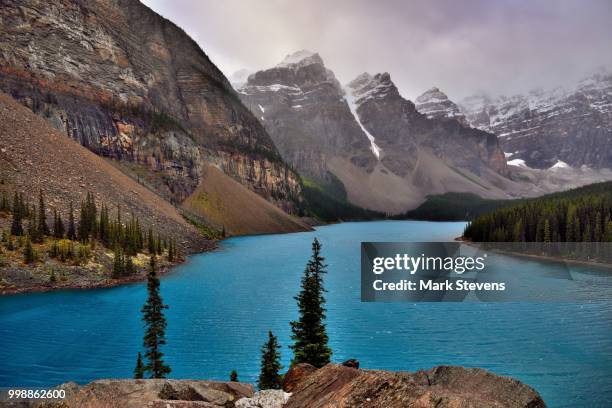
{"x":265,"y":399}
{"x":441,"y":387}
{"x":351,"y":363}
{"x":296,"y":373}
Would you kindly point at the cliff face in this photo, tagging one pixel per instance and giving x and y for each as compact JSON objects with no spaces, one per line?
{"x":130,"y":85}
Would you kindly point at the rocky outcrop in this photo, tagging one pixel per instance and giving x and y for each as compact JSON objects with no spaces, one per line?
{"x":295,"y":374}
{"x":130,"y":85}
{"x":443,"y":386}
{"x":435,"y":105}
{"x":330,"y":386}
{"x":265,"y":399}
{"x":155,"y":393}
{"x":301,"y":104}
{"x":547,"y":128}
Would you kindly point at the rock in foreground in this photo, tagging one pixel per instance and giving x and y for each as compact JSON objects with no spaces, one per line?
{"x":440,"y":387}
{"x":156,"y":394}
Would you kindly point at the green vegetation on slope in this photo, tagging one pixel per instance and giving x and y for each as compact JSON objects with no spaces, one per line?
{"x":454,"y":207}
{"x":580,"y":215}
{"x":328,"y":202}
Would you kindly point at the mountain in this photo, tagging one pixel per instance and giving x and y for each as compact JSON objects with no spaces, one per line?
{"x":132,"y":86}
{"x":429,"y":155}
{"x":386,"y":155}
{"x":542,"y":129}
{"x":300,"y":103}
{"x":435,"y":105}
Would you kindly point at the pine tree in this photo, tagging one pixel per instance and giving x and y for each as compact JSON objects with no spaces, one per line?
{"x":547,"y":237}
{"x":4,"y":204}
{"x":269,"y":378}
{"x":16,"y":225}
{"x":118,"y":263}
{"x":58,"y":225}
{"x":129,"y":268}
{"x":34,"y":231}
{"x":308,"y":333}
{"x":151,"y":242}
{"x":43,"y":228}
{"x":155,"y":326}
{"x":608,"y":233}
{"x":71,"y":227}
{"x":598,"y":233}
{"x":139,"y":370}
{"x":171,"y":254}
{"x":28,"y":252}
{"x":234,"y":376}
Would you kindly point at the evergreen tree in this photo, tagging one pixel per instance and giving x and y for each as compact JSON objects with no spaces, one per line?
{"x":4,"y":203}
{"x":139,"y":370}
{"x":43,"y":228}
{"x":155,"y":326}
{"x":608,"y":231}
{"x":598,"y":232}
{"x":269,"y":378}
{"x":34,"y":231}
{"x":151,"y":242}
{"x":547,"y":236}
{"x":171,"y":254}
{"x":58,"y":225}
{"x":28,"y":252}
{"x":16,"y":225}
{"x":234,"y":376}
{"x":308,"y":333}
{"x":71,"y":227}
{"x":129,"y":268}
{"x":118,"y":263}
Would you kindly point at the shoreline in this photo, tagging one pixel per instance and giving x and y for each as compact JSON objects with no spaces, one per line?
{"x":541,"y":257}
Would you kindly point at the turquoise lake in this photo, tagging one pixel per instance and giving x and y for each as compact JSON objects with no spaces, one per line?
{"x":223,"y":303}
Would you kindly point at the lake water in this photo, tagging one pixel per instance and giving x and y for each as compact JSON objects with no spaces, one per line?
{"x":223,"y":303}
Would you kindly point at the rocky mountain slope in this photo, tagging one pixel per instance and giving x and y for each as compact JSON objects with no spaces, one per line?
{"x":301,"y":105}
{"x":427,"y":155}
{"x":130,"y":85}
{"x":563,"y":127}
{"x":387,"y":155}
{"x":34,"y":156}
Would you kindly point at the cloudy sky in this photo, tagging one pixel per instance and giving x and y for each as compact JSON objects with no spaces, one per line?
{"x":501,"y":46}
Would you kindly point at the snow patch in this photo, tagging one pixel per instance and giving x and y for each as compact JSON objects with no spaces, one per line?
{"x":508,"y":154}
{"x":560,"y":165}
{"x":301,"y":58}
{"x":517,"y":163}
{"x":261,"y":108}
{"x":352,"y":103}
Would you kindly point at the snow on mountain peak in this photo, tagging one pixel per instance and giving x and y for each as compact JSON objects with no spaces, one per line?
{"x":434,"y":103}
{"x":300,"y":58}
